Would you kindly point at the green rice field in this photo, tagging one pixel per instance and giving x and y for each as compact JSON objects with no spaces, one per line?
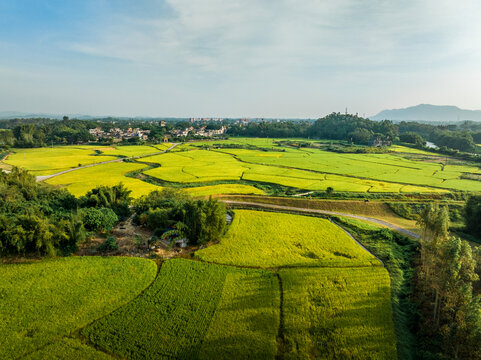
{"x":276,"y":286}
{"x":333,"y":314}
{"x":196,"y":310}
{"x":266,"y":239}
{"x":215,"y":171}
{"x":42,"y":302}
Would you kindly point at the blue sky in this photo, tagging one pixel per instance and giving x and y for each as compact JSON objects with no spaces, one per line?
{"x":255,"y":58}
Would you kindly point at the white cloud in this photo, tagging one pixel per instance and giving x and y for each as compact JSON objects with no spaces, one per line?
{"x":264,"y":57}
{"x":218,"y":35}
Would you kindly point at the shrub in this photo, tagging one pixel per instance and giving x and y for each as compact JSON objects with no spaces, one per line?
{"x":99,"y":219}
{"x":110,"y":244}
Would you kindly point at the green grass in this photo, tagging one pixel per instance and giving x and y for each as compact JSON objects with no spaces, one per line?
{"x":80,"y":181}
{"x":333,"y":314}
{"x":266,"y":239}
{"x":191,"y":311}
{"x":68,"y":349}
{"x":41,"y":302}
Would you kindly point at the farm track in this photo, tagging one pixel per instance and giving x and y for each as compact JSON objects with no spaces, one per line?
{"x":46,"y":177}
{"x":324,"y":212}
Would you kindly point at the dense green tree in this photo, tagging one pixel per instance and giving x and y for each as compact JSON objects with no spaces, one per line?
{"x":412,"y":138}
{"x":115,"y":197}
{"x":472,"y":212}
{"x":447,"y":272}
{"x":99,"y":219}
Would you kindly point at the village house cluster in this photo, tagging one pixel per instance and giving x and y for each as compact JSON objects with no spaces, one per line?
{"x":199,"y":132}
{"x":118,"y":134}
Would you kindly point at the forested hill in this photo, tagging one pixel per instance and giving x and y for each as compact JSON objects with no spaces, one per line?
{"x":426,"y":112}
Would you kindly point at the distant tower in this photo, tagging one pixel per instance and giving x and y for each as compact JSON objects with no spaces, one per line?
{"x":346,"y":110}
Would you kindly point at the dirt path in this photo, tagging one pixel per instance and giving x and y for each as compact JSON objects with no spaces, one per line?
{"x":325,"y":212}
{"x":46,"y":177}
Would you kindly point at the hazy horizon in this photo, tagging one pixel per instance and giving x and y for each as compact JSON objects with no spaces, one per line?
{"x":237,"y":59}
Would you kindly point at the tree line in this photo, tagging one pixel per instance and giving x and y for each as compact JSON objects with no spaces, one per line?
{"x":450,"y":312}
{"x":39,"y":219}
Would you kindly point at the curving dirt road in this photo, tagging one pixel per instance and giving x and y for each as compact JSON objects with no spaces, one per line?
{"x":45,"y":177}
{"x":325,"y":212}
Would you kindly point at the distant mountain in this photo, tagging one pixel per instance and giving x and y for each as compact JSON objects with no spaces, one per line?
{"x":426,"y":112}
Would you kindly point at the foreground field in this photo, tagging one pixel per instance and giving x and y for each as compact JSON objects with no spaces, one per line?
{"x":42,"y":302}
{"x":196,"y":310}
{"x":265,"y":239}
{"x":332,"y":314}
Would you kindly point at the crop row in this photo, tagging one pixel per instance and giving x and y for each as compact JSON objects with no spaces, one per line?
{"x":173,"y":317}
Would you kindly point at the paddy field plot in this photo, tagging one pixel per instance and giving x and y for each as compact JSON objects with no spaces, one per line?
{"x":41,"y":302}
{"x":80,"y":181}
{"x":68,"y":348}
{"x":379,"y":167}
{"x":332,"y":313}
{"x":46,"y":161}
{"x":196,"y":310}
{"x":223,"y":189}
{"x":266,"y":239}
{"x":131,"y":150}
{"x":204,"y":166}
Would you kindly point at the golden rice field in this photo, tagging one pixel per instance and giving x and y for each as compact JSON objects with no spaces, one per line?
{"x":79,"y":182}
{"x":405,"y":170}
{"x":266,"y":239}
{"x":46,"y":161}
{"x":301,"y":288}
{"x":200,"y":166}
